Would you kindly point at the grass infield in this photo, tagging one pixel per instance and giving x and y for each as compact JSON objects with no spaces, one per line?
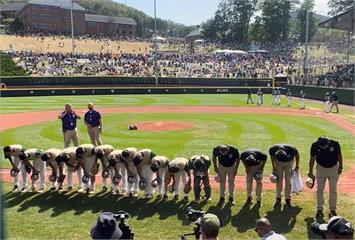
{"x":70,"y":215}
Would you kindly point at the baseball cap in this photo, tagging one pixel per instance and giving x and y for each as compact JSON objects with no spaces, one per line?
{"x":210,"y":224}
{"x":106,"y":227}
{"x":338,"y":225}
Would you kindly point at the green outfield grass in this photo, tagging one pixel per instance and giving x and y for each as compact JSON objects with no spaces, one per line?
{"x":70,"y":215}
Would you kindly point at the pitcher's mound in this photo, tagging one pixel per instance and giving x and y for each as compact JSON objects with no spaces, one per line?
{"x":159,"y":126}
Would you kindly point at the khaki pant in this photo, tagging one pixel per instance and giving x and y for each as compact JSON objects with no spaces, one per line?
{"x":284,"y":169}
{"x":322,"y":175}
{"x":223,"y":173}
{"x":94,"y":134}
{"x":334,"y":104}
{"x":180,"y":177}
{"x":71,"y":135}
{"x":249,"y":183}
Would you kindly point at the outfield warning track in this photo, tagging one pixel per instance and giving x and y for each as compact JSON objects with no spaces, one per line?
{"x":346,"y":182}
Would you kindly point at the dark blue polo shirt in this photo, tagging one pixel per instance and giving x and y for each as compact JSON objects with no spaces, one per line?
{"x":326,"y":157}
{"x":290,"y":150}
{"x":92,"y":117}
{"x":69,"y":121}
{"x":229,"y":159}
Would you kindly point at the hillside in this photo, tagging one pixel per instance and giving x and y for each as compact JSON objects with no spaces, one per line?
{"x":145,"y":23}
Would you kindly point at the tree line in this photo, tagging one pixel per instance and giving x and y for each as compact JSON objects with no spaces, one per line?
{"x":242,"y":21}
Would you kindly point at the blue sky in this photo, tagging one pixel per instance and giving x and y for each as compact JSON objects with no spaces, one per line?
{"x":191,"y":12}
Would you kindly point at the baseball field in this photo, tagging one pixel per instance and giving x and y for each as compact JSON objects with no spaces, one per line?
{"x":173,"y":125}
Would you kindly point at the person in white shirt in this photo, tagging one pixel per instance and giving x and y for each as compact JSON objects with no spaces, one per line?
{"x":263,"y":229}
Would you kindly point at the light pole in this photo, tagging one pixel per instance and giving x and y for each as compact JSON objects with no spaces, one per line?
{"x":305,"y":63}
{"x":155,"y":44}
{"x":72,"y":26}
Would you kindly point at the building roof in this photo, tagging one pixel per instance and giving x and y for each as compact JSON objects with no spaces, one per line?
{"x":11,"y":6}
{"x":343,"y":21}
{"x":65,"y":4}
{"x":195,"y":33}
{"x":109,"y":19}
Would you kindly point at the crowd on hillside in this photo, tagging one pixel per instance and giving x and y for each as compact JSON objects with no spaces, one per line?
{"x":170,"y":64}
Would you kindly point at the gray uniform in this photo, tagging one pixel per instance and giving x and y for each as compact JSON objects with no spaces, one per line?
{"x":131,"y":169}
{"x":72,"y":166}
{"x":34,"y":155}
{"x":16,"y":149}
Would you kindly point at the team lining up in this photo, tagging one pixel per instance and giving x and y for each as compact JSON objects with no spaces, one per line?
{"x":130,"y":169}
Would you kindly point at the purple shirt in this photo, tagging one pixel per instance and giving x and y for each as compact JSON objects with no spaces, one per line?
{"x":92,"y":117}
{"x":69,"y":121}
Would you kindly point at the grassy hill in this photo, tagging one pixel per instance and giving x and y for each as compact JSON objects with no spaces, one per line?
{"x":145,"y":23}
{"x":8,"y":67}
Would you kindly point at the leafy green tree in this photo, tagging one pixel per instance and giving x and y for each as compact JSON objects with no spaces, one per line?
{"x":307,"y":6}
{"x":339,"y":6}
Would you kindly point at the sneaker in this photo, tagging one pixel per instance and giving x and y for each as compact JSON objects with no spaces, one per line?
{"x":221,"y":201}
{"x":288,"y":203}
{"x":149,"y":196}
{"x":15,"y":189}
{"x":70,"y":188}
{"x":319,"y":214}
{"x":249,"y":200}
{"x":258,"y":203}
{"x":104,"y":188}
{"x":176,"y":197}
{"x":186,"y":199}
{"x":23,"y":189}
{"x":277,"y":202}
{"x":332,"y":213}
{"x":231,"y":201}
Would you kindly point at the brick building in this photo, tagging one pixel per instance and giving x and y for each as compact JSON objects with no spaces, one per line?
{"x":53,"y":16}
{"x":9,"y":10}
{"x":107,"y":25}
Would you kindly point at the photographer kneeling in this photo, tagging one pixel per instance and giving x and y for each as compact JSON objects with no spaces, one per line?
{"x":336,"y":228}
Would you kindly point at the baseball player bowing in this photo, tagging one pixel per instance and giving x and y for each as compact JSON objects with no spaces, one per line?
{"x":227,"y":166}
{"x":200,"y":164}
{"x":38,"y":167}
{"x":101,"y":153}
{"x":119,"y":172}
{"x":285,"y":159}
{"x":49,"y":156}
{"x":88,"y":161}
{"x":159,"y":165}
{"x":127,"y":156}
{"x":178,"y":171}
{"x":142,"y":161}
{"x":12,"y":153}
{"x":254,"y":161}
{"x":68,"y":156}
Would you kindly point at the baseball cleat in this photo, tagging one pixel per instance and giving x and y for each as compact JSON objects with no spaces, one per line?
{"x":258,"y":204}
{"x":15,"y":189}
{"x":277,"y":202}
{"x":176,"y":197}
{"x":319,"y":214}
{"x":231,"y":201}
{"x":221,"y":201}
{"x":288,"y":203}
{"x":81,"y":190}
{"x":209,"y":199}
{"x":332,"y":213}
{"x":249,"y":200}
{"x":23,"y":189}
{"x":70,"y":188}
{"x":149,"y":196}
{"x":186,"y":199}
{"x":104,"y":189}
{"x":135,"y":194}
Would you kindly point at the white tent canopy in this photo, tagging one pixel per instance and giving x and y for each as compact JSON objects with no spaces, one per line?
{"x":228,"y":51}
{"x":280,"y":75}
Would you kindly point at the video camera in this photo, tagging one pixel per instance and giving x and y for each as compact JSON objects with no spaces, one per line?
{"x":315,"y":229}
{"x":121,"y":217}
{"x":194,"y":216}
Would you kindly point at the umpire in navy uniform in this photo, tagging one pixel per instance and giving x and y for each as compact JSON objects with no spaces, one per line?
{"x":93,"y":122}
{"x":70,"y":132}
{"x":228,"y":162}
{"x":327,"y":154}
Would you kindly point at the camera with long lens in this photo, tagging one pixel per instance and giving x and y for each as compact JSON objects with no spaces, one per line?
{"x":121,"y":218}
{"x":194,"y":216}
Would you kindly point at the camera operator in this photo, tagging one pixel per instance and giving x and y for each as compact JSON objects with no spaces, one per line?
{"x":263,"y":229}
{"x":200,"y":165}
{"x":108,"y":227}
{"x":336,"y":228}
{"x":210,"y":226}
